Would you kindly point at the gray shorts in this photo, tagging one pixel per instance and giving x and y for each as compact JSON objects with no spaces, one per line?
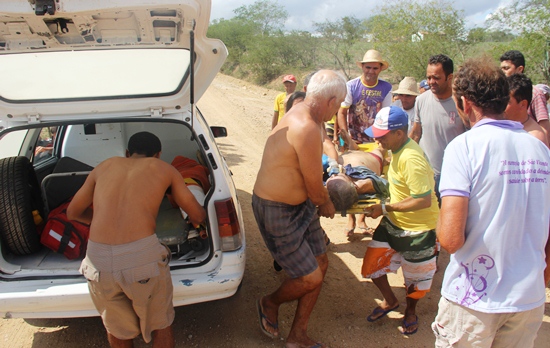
{"x":292,"y":233}
{"x":131,"y":286}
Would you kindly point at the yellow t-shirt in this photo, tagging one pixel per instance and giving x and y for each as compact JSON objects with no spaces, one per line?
{"x":410,"y":175}
{"x":280,"y":102}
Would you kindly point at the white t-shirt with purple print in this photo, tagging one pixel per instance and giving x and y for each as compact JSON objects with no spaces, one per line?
{"x":505,"y":172}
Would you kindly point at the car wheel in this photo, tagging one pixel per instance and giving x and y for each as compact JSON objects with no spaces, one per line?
{"x":19,"y":196}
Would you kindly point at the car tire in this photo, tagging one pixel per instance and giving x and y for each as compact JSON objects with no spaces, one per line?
{"x":19,"y":196}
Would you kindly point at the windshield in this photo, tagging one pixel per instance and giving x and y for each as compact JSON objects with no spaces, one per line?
{"x":97,"y":74}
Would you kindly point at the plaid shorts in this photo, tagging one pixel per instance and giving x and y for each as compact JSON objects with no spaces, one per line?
{"x":292,"y":233}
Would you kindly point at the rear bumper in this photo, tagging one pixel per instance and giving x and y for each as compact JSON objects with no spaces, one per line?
{"x":69,"y":298}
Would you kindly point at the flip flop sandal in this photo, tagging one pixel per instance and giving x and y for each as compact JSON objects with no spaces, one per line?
{"x":263,"y":317}
{"x":406,"y":326}
{"x":378,"y":311}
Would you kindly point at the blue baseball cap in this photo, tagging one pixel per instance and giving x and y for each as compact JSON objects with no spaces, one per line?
{"x":424,"y":84}
{"x":387,"y":119}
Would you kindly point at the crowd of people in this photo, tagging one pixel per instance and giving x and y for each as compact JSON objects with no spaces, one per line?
{"x":468,"y":172}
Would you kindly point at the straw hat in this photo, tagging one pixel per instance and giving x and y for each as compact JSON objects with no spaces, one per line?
{"x":407,"y":86}
{"x":373,"y":56}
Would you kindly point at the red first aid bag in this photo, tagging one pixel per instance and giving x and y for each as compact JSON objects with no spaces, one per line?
{"x":65,"y":236}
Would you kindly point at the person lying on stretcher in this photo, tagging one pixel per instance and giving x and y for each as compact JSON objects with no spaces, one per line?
{"x":357,"y":173}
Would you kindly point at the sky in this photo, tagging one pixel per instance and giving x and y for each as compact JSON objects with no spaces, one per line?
{"x":302,"y":13}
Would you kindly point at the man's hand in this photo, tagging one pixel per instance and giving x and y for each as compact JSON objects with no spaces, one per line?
{"x":327,"y":209}
{"x":374,"y":211}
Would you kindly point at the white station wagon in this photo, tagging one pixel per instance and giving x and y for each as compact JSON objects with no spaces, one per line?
{"x":78,"y":79}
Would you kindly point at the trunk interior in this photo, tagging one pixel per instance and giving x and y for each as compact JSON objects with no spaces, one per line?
{"x":75,"y":150}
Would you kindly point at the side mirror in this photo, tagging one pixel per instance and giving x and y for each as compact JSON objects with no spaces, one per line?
{"x":219,"y":132}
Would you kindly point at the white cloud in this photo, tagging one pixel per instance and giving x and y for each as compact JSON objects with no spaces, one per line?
{"x":303,"y":13}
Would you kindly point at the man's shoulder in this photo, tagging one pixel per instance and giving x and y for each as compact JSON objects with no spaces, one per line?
{"x":280,"y":96}
{"x":424,"y":97}
{"x":412,"y":150}
{"x":537,"y":91}
{"x":299,"y":118}
{"x":384,"y":83}
{"x":356,"y":82}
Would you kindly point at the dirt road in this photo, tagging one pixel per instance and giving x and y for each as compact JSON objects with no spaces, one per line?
{"x":338,"y":319}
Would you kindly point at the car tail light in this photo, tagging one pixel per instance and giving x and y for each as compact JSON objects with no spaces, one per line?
{"x":228,"y":224}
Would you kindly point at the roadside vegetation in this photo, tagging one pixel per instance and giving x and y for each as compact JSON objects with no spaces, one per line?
{"x":406,"y":33}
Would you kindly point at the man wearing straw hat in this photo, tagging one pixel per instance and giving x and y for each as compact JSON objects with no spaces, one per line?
{"x":406,"y":95}
{"x":366,"y":96}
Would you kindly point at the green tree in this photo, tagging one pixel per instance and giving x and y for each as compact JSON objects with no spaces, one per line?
{"x":338,"y":38}
{"x":266,"y":15}
{"x":236,"y":35}
{"x":531,"y":20}
{"x":299,"y":49}
{"x":408,"y":33}
{"x":263,"y":60}
{"x":477,"y":35}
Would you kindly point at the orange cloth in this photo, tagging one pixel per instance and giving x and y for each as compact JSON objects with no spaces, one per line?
{"x":189,"y":168}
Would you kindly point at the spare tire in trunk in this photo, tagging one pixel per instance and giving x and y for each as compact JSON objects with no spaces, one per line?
{"x":19,"y":196}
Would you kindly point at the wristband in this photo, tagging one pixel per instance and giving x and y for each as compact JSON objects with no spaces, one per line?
{"x":384,"y":211}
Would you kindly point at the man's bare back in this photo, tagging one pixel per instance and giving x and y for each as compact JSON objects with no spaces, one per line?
{"x":126,"y":195}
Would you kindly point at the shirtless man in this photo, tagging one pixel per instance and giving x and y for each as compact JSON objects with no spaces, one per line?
{"x":521,"y":93}
{"x":125,"y":265}
{"x":287,"y":193}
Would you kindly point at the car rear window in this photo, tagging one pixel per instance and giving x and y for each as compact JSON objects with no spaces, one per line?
{"x":95,"y":74}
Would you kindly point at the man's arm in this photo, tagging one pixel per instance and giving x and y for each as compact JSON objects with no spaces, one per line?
{"x":275,"y":119}
{"x":79,"y":208}
{"x":545,"y":125}
{"x":328,"y":146}
{"x":185,"y":199}
{"x":539,"y":111}
{"x":343,"y":119}
{"x":451,"y":225}
{"x":303,"y":139}
{"x":408,"y":204}
{"x":416,"y":132}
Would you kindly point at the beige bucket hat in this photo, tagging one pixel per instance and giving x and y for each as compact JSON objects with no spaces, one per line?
{"x":407,"y":86}
{"x":373,"y":56}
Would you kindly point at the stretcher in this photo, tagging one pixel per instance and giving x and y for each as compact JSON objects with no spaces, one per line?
{"x":362,"y":203}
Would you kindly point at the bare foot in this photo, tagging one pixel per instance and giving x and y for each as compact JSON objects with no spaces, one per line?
{"x":367,"y":231}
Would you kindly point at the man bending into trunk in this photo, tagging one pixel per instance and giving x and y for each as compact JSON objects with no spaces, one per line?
{"x":125,"y":265}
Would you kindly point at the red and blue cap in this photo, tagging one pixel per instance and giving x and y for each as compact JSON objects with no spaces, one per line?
{"x":387,"y":119}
